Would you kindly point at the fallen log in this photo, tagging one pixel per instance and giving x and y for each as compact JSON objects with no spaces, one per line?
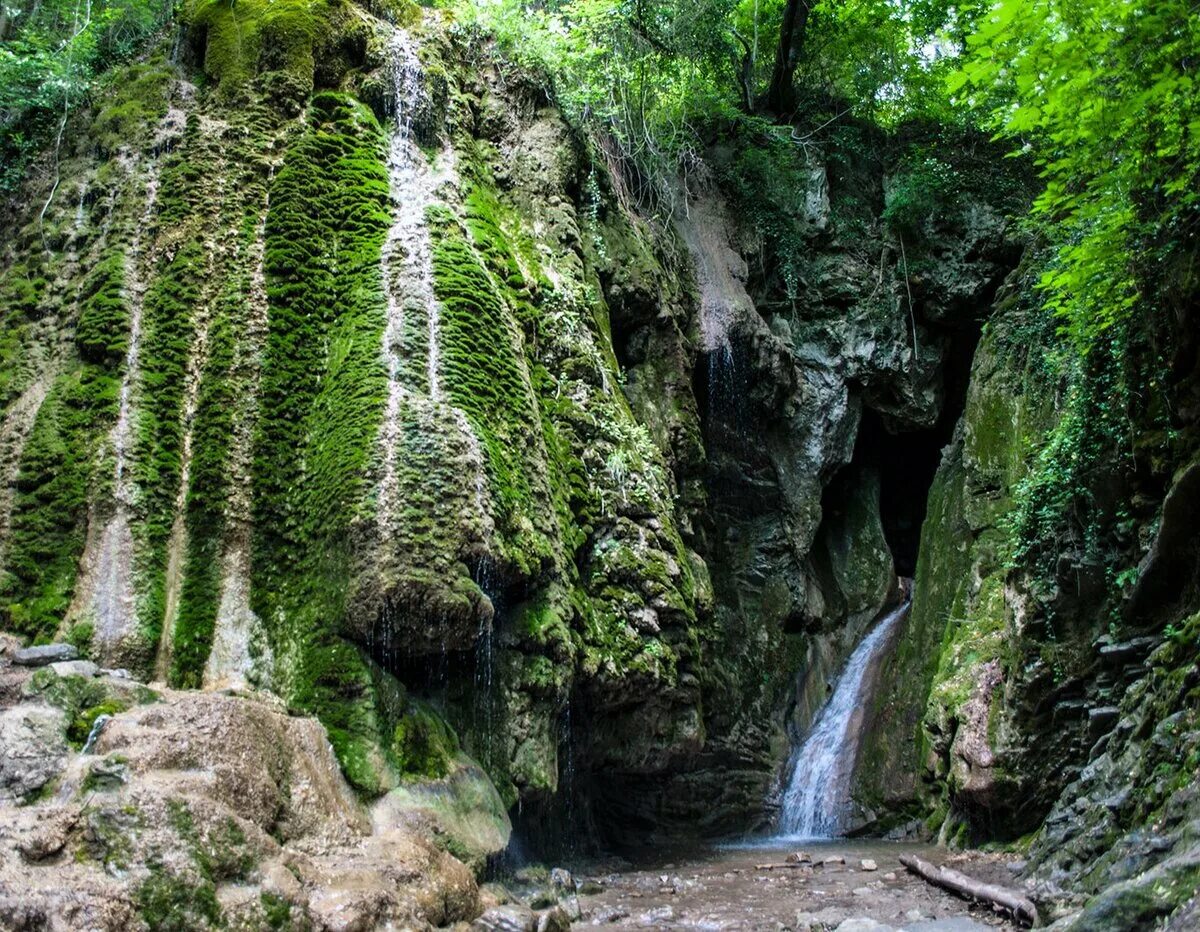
{"x":789,"y":865}
{"x":1012,"y":901}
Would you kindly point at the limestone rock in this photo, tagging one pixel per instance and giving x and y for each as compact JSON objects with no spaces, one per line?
{"x":33,"y":750}
{"x":510,"y":918}
{"x":75,"y":668}
{"x":44,"y":654}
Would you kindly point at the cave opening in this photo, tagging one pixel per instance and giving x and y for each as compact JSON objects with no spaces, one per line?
{"x":906,"y":460}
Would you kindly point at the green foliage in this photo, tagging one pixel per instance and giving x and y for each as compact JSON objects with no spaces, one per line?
{"x":1102,"y":95}
{"x":51,"y":53}
{"x":1102,"y":99}
{"x":650,"y":80}
{"x":920,"y":191}
{"x":768,"y":181}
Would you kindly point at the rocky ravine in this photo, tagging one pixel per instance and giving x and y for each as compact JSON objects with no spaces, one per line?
{"x":340,"y":370}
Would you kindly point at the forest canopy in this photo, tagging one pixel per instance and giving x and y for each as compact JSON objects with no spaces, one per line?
{"x":1100,"y":94}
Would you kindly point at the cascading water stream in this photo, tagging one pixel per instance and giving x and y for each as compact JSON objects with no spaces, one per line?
{"x":818,"y":793}
{"x":406,"y":258}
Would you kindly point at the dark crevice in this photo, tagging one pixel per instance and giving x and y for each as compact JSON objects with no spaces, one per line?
{"x":907,"y":460}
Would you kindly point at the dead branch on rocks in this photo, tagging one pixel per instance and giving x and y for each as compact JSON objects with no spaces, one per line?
{"x":1011,"y":901}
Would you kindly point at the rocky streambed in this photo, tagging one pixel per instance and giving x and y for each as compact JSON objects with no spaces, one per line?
{"x":851,"y":886}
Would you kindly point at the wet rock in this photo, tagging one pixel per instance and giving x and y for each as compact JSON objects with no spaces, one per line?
{"x":864,"y":924}
{"x":561,"y":879}
{"x":554,"y":920}
{"x":609,"y":914}
{"x":1101,"y":720}
{"x":509,"y":918}
{"x":590,"y":888}
{"x":658,"y":916}
{"x":44,"y":654}
{"x":49,"y":837}
{"x":463,"y":806}
{"x":75,"y":668}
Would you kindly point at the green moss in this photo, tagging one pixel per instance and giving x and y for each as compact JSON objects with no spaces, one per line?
{"x":81,"y":725}
{"x":485,"y":378}
{"x":80,"y":636}
{"x":102,"y":333}
{"x":277,"y":912}
{"x":131,"y":103}
{"x":57,"y":471}
{"x":224,"y":380}
{"x":423,"y":745}
{"x":250,"y":37}
{"x":322,"y":396}
{"x":171,"y":903}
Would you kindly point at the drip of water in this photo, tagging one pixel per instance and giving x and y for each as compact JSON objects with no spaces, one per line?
{"x":566,"y":783}
{"x":724,"y":395}
{"x":111,"y":575}
{"x":818,"y":793}
{"x":94,"y":734}
{"x":720,"y":271}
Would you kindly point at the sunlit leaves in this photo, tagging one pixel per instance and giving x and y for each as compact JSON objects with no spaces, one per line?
{"x":1102,"y":93}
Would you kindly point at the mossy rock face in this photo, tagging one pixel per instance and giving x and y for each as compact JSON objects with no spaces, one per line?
{"x":931,"y":716}
{"x":423,"y":745}
{"x":461,"y":807}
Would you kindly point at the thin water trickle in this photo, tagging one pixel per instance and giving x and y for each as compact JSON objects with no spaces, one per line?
{"x":725,"y":400}
{"x":406,"y":259}
{"x":97,"y":727}
{"x":485,"y":664}
{"x":818,"y":794}
{"x":566,"y":787}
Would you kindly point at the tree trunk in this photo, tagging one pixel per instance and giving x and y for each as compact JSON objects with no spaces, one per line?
{"x":781,"y":96}
{"x":1012,"y":901}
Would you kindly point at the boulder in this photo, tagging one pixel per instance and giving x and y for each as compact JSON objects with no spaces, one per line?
{"x":33,"y":750}
{"x":44,"y":654}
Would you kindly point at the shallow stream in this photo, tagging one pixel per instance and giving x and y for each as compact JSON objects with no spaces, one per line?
{"x":730,"y":888}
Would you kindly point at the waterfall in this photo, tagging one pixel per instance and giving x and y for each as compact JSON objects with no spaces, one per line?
{"x":818,"y":792}
{"x":420,"y":422}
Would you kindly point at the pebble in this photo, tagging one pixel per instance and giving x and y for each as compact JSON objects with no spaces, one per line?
{"x":890,"y":875}
{"x":833,"y":859}
{"x":868,"y":865}
{"x":799,"y":857}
